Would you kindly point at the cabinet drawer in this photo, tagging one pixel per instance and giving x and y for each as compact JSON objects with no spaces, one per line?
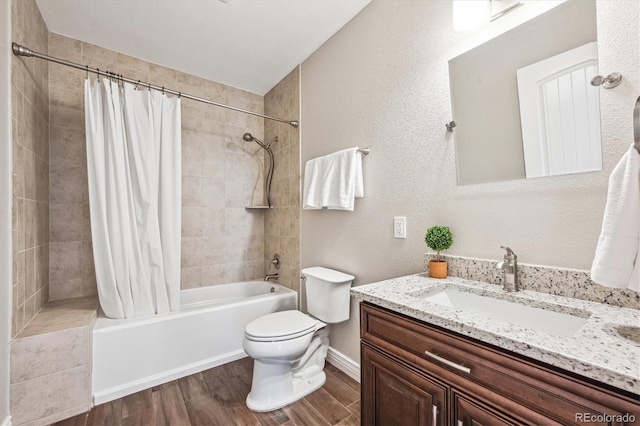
{"x":483,"y":370}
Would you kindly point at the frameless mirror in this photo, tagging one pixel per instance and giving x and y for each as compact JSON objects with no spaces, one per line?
{"x":523,"y":102}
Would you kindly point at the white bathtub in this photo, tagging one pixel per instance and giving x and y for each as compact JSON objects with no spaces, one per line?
{"x":134,"y":354}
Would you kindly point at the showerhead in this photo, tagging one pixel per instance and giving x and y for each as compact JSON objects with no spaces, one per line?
{"x":247,"y":137}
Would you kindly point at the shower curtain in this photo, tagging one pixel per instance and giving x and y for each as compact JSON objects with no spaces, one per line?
{"x":134,"y":174}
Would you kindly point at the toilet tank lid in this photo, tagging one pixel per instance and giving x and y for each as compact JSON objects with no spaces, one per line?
{"x":326,"y":274}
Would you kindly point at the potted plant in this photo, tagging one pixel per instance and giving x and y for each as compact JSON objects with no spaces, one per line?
{"x":438,"y":238}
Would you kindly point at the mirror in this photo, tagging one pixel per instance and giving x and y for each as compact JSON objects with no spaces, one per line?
{"x":523,"y":102}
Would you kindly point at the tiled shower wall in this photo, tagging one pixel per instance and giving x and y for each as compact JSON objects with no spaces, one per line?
{"x":282,"y":223}
{"x":221,"y":174}
{"x":30,"y":129}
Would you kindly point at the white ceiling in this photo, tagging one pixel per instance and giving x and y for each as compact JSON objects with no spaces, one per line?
{"x":248,"y":44}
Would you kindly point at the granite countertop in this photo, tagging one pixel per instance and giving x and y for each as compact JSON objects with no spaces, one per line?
{"x":596,"y":351}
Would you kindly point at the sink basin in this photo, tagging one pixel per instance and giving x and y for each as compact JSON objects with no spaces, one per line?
{"x":547,"y":321}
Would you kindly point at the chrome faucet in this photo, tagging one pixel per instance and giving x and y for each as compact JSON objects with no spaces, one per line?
{"x":271,"y":277}
{"x":509,"y":267}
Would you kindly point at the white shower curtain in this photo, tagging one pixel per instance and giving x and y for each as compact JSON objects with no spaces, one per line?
{"x":134,"y":173}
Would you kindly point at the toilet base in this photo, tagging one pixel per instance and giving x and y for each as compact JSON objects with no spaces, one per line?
{"x":295,"y":389}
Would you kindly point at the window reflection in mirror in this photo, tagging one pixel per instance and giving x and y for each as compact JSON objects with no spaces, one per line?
{"x":553,"y":127}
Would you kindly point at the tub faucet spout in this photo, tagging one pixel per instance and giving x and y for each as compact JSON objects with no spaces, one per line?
{"x":271,"y":277}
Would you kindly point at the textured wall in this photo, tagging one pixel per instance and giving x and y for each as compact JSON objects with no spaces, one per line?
{"x":282,"y":223}
{"x":30,"y":132}
{"x":221,"y":174}
{"x":382,"y":82}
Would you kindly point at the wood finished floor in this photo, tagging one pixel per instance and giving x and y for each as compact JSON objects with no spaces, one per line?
{"x":216,"y":397}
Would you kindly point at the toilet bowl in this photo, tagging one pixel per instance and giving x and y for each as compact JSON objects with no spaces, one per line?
{"x":289,"y":347}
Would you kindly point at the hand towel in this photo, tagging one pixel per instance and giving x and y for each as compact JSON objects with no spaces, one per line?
{"x":333,"y":181}
{"x":617,"y":258}
{"x":311,"y":198}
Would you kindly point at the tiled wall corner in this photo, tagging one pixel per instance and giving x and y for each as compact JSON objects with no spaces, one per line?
{"x":565,"y":282}
{"x":30,"y":129}
{"x":282,"y":222}
{"x":221,"y":174}
{"x":51,"y":363}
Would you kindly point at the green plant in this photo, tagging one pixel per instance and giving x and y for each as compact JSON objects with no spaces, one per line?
{"x":438,"y":238}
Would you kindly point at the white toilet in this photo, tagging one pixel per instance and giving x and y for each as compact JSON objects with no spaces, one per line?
{"x":289,"y":347}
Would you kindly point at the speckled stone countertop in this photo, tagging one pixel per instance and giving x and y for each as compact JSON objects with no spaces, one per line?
{"x":596,"y":351}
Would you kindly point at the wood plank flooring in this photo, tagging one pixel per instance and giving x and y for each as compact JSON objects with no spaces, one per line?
{"x":217,"y":397}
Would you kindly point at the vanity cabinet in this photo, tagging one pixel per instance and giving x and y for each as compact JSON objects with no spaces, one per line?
{"x":414,"y":373}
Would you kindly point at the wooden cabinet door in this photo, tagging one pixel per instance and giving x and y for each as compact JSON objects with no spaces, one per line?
{"x":468,"y":413}
{"x":393,"y":394}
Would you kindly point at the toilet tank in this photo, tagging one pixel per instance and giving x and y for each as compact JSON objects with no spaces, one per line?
{"x":327,"y":293}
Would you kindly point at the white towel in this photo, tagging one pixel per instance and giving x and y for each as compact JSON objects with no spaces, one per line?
{"x":333,"y":181}
{"x":617,"y":259}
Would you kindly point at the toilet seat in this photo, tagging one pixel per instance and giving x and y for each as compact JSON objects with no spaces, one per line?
{"x":280,"y":326}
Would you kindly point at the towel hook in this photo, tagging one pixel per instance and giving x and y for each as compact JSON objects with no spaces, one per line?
{"x":450,"y":125}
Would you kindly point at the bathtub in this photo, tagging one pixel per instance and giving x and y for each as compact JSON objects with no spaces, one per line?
{"x":134,"y":354}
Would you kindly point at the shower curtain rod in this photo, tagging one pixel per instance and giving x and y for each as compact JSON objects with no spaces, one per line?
{"x":19,"y":50}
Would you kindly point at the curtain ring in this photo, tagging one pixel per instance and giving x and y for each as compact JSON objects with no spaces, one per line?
{"x":135,"y":88}
{"x":163,"y":90}
{"x":98,"y":74}
{"x":179,"y":95}
{"x":87,"y":77}
{"x":149,"y":85}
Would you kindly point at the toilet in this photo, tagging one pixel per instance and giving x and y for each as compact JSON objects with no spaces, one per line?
{"x":289,"y":347}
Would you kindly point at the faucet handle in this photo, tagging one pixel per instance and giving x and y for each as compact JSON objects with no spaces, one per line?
{"x":510,"y":253}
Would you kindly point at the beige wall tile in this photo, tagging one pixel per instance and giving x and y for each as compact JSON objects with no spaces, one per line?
{"x":65,"y":185}
{"x":30,"y":273}
{"x":213,"y":193}
{"x":193,"y":252}
{"x":191,"y":191}
{"x":42,"y":396}
{"x":213,"y":221}
{"x":235,"y":195}
{"x":234,"y":272}
{"x":86,"y":222}
{"x":65,"y":48}
{"x":67,"y":289}
{"x":60,"y":76}
{"x":212,"y":275}
{"x":254,"y":270}
{"x":65,"y":102}
{"x":192,"y":153}
{"x":65,"y":222}
{"x":42,"y":266}
{"x":67,"y":148}
{"x":64,"y":261}
{"x":91,"y":51}
{"x":86,"y":260}
{"x":192,"y":221}
{"x":44,"y":354}
{"x":191,"y":277}
{"x":216,"y":249}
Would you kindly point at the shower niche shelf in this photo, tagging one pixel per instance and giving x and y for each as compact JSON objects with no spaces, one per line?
{"x":258,"y":207}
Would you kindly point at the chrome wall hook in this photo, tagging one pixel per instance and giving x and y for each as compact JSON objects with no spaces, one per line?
{"x":609,"y":82}
{"x":450,"y":125}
